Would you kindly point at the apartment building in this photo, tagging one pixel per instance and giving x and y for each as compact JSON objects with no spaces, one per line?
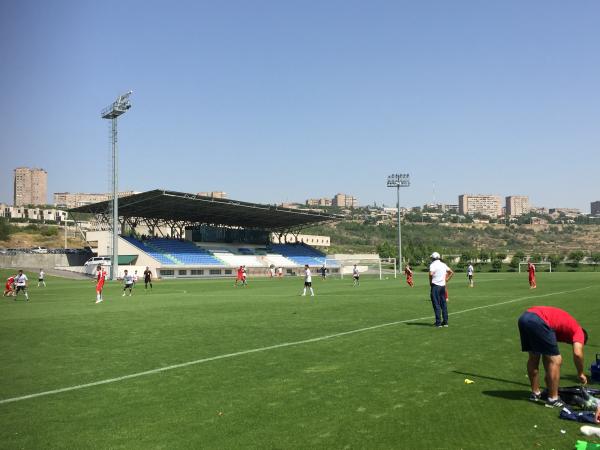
{"x":517,"y":205}
{"x":488,"y":205}
{"x":30,"y":186}
{"x":70,"y":200}
{"x":344,"y":201}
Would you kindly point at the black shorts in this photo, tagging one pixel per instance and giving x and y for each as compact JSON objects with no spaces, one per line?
{"x":21,"y":288}
{"x":470,"y":277}
{"x":307,"y":284}
{"x":128,"y":286}
{"x":40,"y":280}
{"x":355,"y":277}
{"x":536,"y":336}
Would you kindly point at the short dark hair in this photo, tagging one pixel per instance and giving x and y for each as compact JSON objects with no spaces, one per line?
{"x":585,"y":336}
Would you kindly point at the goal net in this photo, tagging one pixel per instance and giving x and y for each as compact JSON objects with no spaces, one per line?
{"x":376,"y":268}
{"x":545,"y":266}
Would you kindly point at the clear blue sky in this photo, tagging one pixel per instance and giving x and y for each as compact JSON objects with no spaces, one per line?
{"x":276,"y":101}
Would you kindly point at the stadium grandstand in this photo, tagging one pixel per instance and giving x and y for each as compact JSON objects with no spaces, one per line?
{"x":186,"y":235}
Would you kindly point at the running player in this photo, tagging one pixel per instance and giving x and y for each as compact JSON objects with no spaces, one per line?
{"x":409,"y":275}
{"x":128,"y":279}
{"x":323,"y":271}
{"x":307,"y":281}
{"x":147,"y":278}
{"x":135,"y":278}
{"x":470,"y":271}
{"x":9,"y":287}
{"x":100,"y":278}
{"x":41,"y":276}
{"x":21,"y":284}
{"x":355,"y":276}
{"x":531,"y":271}
{"x":240,"y":276}
{"x":244,"y":275}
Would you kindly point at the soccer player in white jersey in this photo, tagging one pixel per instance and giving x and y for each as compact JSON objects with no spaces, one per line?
{"x":41,"y":276}
{"x":128,"y":280}
{"x":21,"y":284}
{"x":470,"y":271}
{"x":307,"y":281}
{"x":355,"y":276}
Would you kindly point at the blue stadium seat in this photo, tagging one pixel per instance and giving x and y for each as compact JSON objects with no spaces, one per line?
{"x":175,"y":252}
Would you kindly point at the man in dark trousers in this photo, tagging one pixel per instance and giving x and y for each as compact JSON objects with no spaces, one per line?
{"x":147,"y":278}
{"x":541,"y":328}
{"x":439,"y":274}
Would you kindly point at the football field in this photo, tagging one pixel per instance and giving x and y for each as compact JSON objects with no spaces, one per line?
{"x":204,"y":364}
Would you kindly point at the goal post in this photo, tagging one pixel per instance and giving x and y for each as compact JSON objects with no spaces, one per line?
{"x":545,"y":263}
{"x":379,"y":268}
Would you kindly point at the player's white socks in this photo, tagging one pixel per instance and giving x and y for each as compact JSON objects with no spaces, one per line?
{"x":26,"y":295}
{"x":590,"y":431}
{"x":304,"y":292}
{"x":312,"y":293}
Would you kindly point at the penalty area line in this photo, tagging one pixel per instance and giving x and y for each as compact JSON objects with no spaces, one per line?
{"x":267,"y":348}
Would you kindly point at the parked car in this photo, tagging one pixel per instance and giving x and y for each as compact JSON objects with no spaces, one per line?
{"x":104,"y":260}
{"x":39,"y":250}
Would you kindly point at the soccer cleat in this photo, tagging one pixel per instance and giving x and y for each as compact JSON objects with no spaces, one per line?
{"x":533,"y":397}
{"x":445,"y":325}
{"x":590,"y":431}
{"x":556,"y":403}
{"x":98,"y":301}
{"x":123,"y":294}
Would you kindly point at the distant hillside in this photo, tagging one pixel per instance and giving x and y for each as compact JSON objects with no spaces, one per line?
{"x":456,"y":239}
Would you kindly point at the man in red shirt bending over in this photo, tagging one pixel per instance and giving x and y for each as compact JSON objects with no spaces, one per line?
{"x":541,"y":328}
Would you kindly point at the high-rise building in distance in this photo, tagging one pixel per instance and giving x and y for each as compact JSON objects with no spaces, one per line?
{"x":344,"y":201}
{"x":31,"y":186}
{"x":595,"y":208}
{"x":487,"y":205}
{"x":517,"y":205}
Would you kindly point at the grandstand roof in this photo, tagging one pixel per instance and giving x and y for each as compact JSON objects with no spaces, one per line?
{"x":178,"y":206}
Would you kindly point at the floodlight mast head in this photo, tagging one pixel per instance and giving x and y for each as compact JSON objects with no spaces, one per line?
{"x":398,"y":180}
{"x":118,"y":107}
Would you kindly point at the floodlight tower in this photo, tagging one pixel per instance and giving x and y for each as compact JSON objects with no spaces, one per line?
{"x":399,"y":180}
{"x":112,"y":112}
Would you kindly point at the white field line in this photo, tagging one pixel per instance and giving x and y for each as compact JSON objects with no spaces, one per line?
{"x":264,"y":349}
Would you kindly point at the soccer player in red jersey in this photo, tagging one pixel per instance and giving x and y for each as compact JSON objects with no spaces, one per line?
{"x":240,"y":276}
{"x":531,"y":271}
{"x":9,"y":287}
{"x":100,"y":278}
{"x":409,"y":275}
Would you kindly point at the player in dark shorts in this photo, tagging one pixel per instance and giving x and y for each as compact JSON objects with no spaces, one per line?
{"x":147,"y":278}
{"x":323,"y":271}
{"x":541,"y":328}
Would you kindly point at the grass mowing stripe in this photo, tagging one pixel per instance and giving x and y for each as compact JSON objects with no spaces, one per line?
{"x":270,"y":347}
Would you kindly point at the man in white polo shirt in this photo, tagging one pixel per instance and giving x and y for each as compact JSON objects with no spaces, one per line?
{"x":439,"y":274}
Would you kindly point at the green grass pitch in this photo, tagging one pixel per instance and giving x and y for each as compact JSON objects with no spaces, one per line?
{"x":351,"y":368}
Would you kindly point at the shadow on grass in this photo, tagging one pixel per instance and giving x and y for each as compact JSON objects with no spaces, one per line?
{"x":486,"y":377}
{"x":508,"y":395}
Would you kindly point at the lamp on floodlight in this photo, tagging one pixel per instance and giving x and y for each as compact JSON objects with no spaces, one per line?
{"x":399,"y":180}
{"x":117,"y":108}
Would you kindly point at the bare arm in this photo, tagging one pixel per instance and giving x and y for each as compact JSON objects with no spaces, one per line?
{"x":449,"y":274}
{"x":578,"y":360}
